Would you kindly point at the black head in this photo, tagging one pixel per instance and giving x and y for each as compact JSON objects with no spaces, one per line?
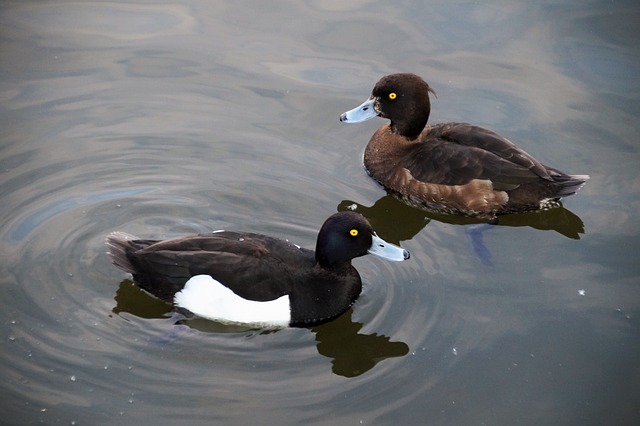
{"x":343,"y":236}
{"x":404,"y":99}
{"x":347,"y":235}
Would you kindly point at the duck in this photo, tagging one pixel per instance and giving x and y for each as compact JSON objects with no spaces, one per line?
{"x":452,"y":167}
{"x":253,"y":279}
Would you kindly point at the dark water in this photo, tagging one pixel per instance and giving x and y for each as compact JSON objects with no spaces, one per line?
{"x":162,"y":119}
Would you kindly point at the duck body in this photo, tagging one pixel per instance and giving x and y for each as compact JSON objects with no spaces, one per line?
{"x":454,"y":167}
{"x":253,"y":278}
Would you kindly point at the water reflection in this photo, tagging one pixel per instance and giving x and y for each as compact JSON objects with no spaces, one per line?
{"x":395,"y":220}
{"x":351,"y":352}
{"x":131,"y":298}
{"x":561,"y":220}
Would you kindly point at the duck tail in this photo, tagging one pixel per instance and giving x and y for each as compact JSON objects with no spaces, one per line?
{"x":569,"y":184}
{"x":118,"y":244}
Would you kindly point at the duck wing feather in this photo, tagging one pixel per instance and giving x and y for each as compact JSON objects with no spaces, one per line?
{"x":255,"y":267}
{"x":456,"y":153}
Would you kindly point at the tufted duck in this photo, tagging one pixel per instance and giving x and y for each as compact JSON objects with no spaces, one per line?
{"x":239,"y":277}
{"x":454,"y":167}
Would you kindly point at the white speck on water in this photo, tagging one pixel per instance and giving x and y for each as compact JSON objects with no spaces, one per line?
{"x":72,"y":378}
{"x":621,"y":311}
{"x":582,"y":292}
{"x":454,"y":351}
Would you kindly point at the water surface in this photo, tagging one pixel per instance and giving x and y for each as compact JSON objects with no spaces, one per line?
{"x":162,"y":119}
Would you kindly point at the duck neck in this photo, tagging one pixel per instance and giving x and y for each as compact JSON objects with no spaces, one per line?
{"x":412,"y":128}
{"x":335,"y":265}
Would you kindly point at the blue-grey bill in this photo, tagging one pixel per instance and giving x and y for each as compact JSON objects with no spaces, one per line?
{"x":385,"y":250}
{"x":359,"y":114}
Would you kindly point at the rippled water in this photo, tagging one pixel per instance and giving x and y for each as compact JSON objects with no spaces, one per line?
{"x":163,"y":119}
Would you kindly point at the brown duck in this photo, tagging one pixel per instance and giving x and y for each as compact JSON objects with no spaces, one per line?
{"x":453,"y":167}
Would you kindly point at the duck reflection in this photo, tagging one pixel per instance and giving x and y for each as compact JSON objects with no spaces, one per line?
{"x":351,"y":352}
{"x":396,"y":220}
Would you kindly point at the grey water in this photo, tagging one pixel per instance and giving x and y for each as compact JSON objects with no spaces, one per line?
{"x":168,"y":118}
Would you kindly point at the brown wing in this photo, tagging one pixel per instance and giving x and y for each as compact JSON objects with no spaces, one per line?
{"x":456,"y":153}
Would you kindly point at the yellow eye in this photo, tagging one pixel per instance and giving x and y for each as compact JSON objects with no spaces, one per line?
{"x":353,"y":232}
{"x":392,"y":95}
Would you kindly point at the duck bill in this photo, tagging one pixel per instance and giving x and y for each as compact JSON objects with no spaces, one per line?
{"x":385,"y":250}
{"x":362,"y":113}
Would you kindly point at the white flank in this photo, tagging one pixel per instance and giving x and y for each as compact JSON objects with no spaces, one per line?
{"x":209,"y":299}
